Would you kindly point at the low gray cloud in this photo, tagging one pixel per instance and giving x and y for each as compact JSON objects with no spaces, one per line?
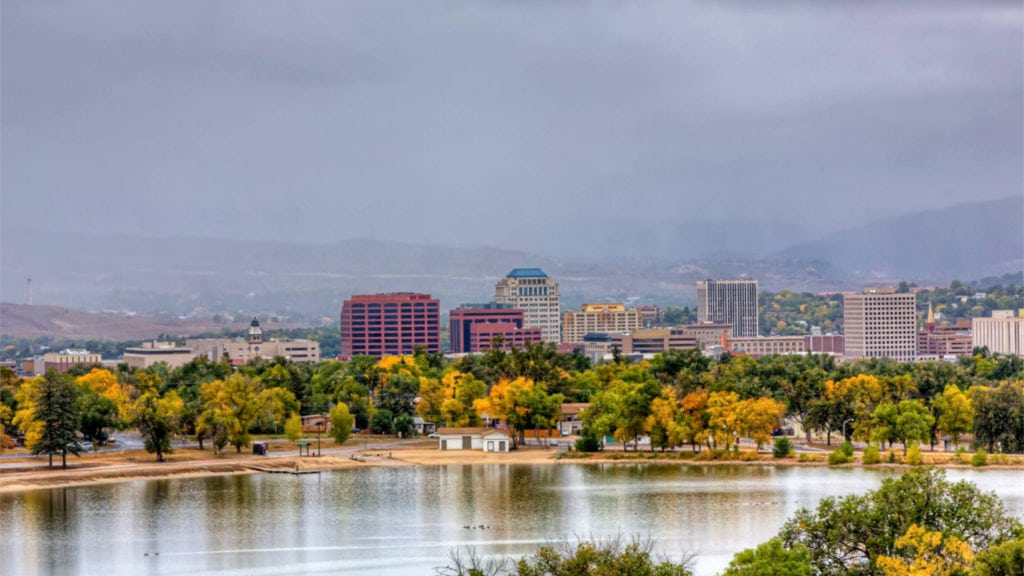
{"x":530,"y":124}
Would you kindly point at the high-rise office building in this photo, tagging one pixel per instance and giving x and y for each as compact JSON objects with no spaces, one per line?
{"x":472,"y":327}
{"x":1003,"y":333}
{"x":389,"y":324}
{"x":729,"y":302}
{"x":880,"y":323}
{"x":536,"y":294}
{"x":599,"y":318}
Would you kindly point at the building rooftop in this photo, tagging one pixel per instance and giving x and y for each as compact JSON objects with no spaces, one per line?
{"x":485,"y":306}
{"x":526,"y":273}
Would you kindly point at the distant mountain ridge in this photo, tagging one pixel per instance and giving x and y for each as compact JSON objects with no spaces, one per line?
{"x":308,"y":282}
{"x":959,"y":242}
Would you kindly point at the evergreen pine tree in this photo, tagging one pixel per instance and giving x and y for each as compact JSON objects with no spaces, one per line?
{"x":57,"y":408}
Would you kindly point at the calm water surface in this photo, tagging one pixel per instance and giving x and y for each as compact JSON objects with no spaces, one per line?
{"x":390,"y":521}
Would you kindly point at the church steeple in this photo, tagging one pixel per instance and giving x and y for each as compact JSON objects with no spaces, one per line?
{"x":929,"y":323}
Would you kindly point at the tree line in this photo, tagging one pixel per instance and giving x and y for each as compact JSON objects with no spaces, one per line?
{"x":676,"y":399}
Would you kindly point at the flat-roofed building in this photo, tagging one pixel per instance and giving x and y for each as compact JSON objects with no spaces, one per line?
{"x":825,"y":344}
{"x":152,"y":353}
{"x":1001,"y":334}
{"x":599,"y":318}
{"x":243,"y":350}
{"x":536,"y":294}
{"x":708,"y":334}
{"x":768,"y":345}
{"x":598,"y":345}
{"x":729,"y":302}
{"x":464,"y":333}
{"x":483,"y":336}
{"x":60,"y":361}
{"x":389,"y":324}
{"x":652,"y":315}
{"x":654,"y":341}
{"x":880,"y":323}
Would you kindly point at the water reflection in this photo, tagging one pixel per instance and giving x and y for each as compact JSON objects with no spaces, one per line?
{"x":404,"y":520}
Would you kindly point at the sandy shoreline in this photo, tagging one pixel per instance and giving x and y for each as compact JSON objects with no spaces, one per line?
{"x":23,"y":474}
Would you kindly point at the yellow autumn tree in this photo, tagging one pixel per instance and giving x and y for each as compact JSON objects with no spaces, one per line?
{"x":461,"y":391}
{"x":693,"y":417}
{"x":928,"y":553}
{"x":239,"y":401}
{"x":431,"y":399}
{"x":25,"y":417}
{"x":508,"y":401}
{"x":104,"y":383}
{"x":757,"y":419}
{"x":661,"y":424}
{"x":723,"y":417}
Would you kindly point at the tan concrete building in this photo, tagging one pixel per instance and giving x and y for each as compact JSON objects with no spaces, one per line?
{"x":879,"y":323}
{"x":1001,"y":334}
{"x":768,"y":345}
{"x":151,"y":353}
{"x":60,"y":361}
{"x":599,"y":318}
{"x":536,"y":294}
{"x":239,"y":351}
{"x":709,"y":334}
{"x":654,"y":341}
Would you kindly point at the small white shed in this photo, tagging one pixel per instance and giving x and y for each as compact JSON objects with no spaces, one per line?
{"x":486,"y":439}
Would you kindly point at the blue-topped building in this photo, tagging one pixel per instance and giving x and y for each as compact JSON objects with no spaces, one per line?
{"x":526,"y":273}
{"x":536,"y":294}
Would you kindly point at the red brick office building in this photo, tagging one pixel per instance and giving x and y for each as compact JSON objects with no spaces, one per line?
{"x":472,"y":327}
{"x":390,"y":324}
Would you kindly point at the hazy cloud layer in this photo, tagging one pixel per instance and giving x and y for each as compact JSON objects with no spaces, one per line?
{"x":518,"y":124}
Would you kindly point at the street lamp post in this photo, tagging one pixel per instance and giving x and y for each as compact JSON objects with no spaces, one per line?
{"x":319,"y":425}
{"x":844,"y":427}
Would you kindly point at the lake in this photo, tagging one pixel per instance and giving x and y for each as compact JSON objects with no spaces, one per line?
{"x":405,"y":520}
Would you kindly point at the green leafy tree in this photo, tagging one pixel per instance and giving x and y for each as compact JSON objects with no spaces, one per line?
{"x":1006,"y":559}
{"x":157,"y":421}
{"x":97,"y":413}
{"x":341,"y":423}
{"x":404,"y":426}
{"x":908,"y":422}
{"x":955,"y":413}
{"x":999,"y":416}
{"x":382,"y":422}
{"x":398,"y":392}
{"x":56,"y":408}
{"x":771,"y":559}
{"x":846,"y":535}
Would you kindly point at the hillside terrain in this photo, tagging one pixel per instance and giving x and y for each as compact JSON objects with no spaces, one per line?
{"x":23,"y":321}
{"x":959,"y":242}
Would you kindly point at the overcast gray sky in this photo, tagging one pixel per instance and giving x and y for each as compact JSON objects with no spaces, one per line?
{"x":516,"y":124}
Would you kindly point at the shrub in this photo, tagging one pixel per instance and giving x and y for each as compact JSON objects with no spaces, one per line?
{"x":782,"y":448}
{"x":588,"y":443}
{"x":892,"y":457}
{"x":847,"y":449}
{"x":914,"y":457}
{"x":837,"y":457}
{"x":980,"y":458}
{"x":871,"y":456}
